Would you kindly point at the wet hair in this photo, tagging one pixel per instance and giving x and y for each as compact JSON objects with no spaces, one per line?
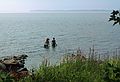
{"x":47,"y":39}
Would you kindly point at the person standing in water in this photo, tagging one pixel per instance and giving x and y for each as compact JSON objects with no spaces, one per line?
{"x":46,"y":45}
{"x":54,"y":43}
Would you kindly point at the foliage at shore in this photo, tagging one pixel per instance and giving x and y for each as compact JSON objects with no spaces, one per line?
{"x":115,"y":17}
{"x":73,"y":68}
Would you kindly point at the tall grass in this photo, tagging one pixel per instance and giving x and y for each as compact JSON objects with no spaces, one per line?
{"x":77,"y":67}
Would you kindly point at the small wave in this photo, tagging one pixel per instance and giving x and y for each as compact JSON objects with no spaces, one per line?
{"x":2,"y":49}
{"x":84,"y":37}
{"x":103,"y":41}
{"x":34,"y":51}
{"x":61,"y":35}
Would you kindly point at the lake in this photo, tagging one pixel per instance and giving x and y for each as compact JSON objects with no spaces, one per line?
{"x":25,"y":33}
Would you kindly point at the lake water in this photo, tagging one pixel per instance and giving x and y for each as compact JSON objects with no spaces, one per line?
{"x":25,"y":33}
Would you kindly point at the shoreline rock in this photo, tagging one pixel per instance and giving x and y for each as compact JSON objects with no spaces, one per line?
{"x":14,"y":65}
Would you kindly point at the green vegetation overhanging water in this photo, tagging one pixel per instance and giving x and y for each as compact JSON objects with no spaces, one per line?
{"x":73,"y":68}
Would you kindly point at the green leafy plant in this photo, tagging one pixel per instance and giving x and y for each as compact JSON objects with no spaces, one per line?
{"x":115,"y":17}
{"x":4,"y":77}
{"x":112,"y":71}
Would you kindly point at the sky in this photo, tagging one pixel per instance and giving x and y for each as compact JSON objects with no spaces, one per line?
{"x":28,"y":5}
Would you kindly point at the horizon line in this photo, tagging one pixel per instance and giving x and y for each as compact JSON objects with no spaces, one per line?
{"x":44,"y":11}
{"x":75,"y":10}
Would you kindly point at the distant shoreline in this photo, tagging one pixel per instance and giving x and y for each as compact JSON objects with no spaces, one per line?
{"x":68,"y":11}
{"x":60,"y":11}
{"x":71,"y":10}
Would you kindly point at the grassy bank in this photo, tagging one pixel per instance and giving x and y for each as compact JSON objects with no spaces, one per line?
{"x":74,"y":68}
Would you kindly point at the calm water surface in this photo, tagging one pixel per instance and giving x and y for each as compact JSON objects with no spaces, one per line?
{"x":26,"y":33}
